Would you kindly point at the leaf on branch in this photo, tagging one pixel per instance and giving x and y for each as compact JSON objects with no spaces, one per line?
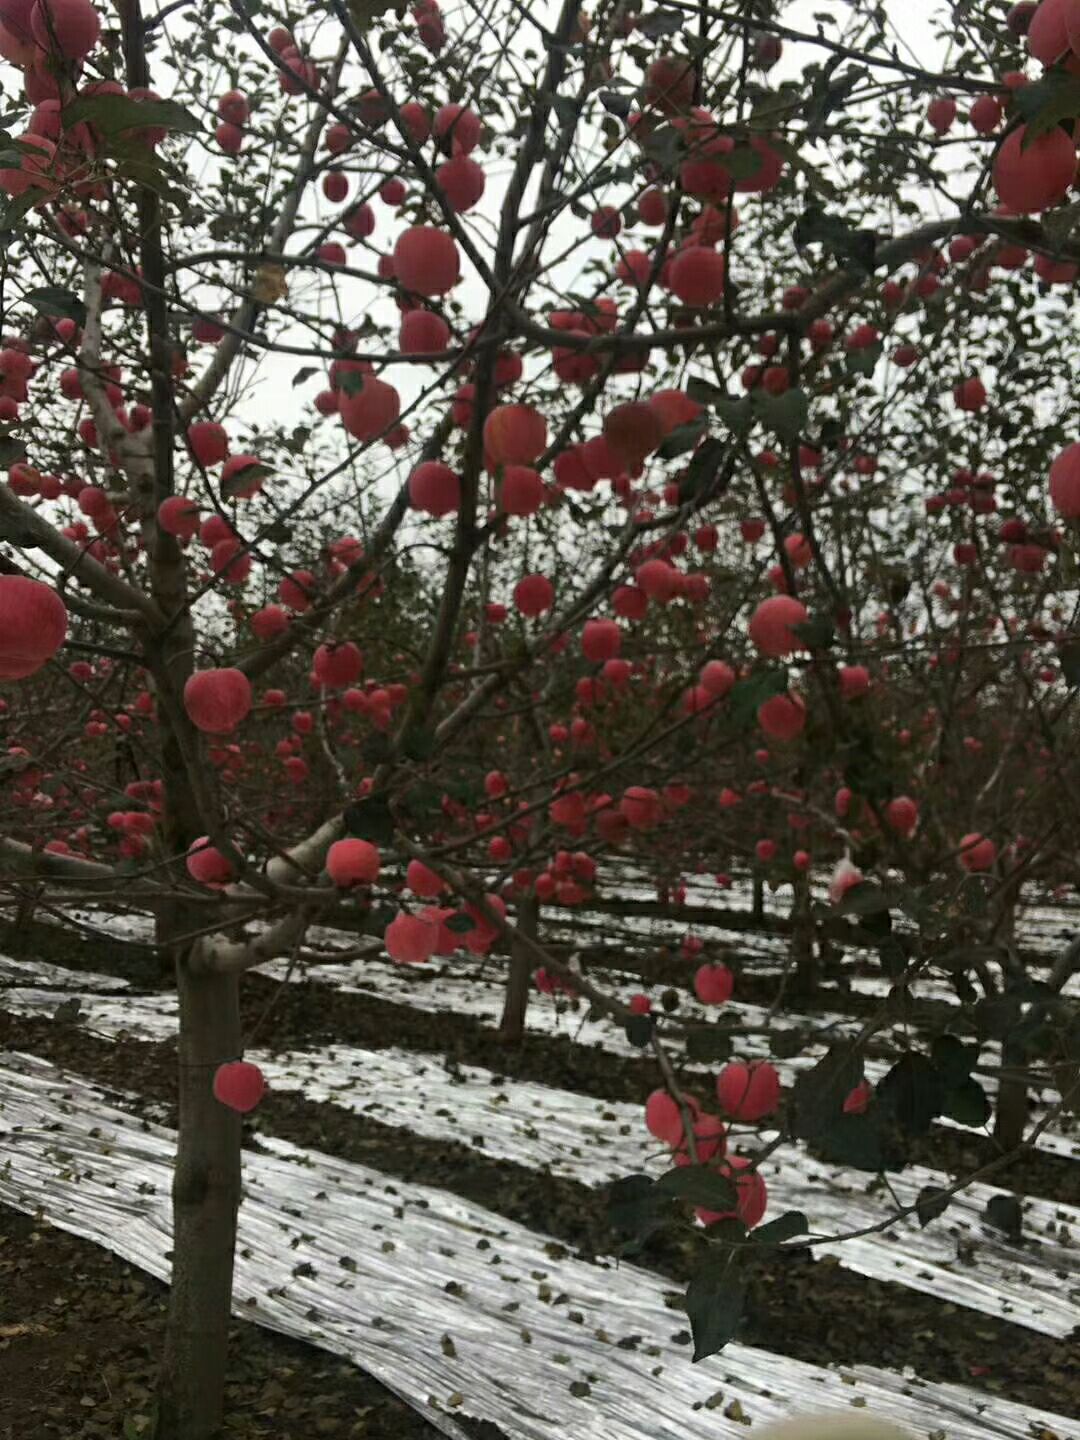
{"x":12,"y":452}
{"x":1069,"y":659}
{"x":737,"y":415}
{"x":912,"y":1091}
{"x":785,"y":414}
{"x":817,"y":633}
{"x":115,"y":114}
{"x":1047,"y":102}
{"x":743,"y":162}
{"x":683,"y":438}
{"x":784,"y":1227}
{"x":863,"y":362}
{"x":616,"y":103}
{"x":815,"y":227}
{"x":700,"y":1186}
{"x":370,"y":819}
{"x":304,"y":374}
{"x":365,"y":12}
{"x":714,"y":1307}
{"x":631,"y":1203}
{"x":749,"y":695}
{"x":58,"y":301}
{"x":930,"y":1204}
{"x":68,"y":1010}
{"x":702,"y":470}
{"x":460,"y":924}
{"x":706,"y":1043}
{"x":819,"y":1094}
{"x":242,"y":479}
{"x":658,"y":23}
{"x":639,"y":1030}
{"x":1005,"y":1214}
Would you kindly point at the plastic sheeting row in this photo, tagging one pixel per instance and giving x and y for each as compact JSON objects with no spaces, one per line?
{"x":457,"y":1309}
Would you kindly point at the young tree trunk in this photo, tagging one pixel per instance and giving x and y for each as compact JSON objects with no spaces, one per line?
{"x":206,"y":1196}
{"x":803,"y":952}
{"x":512,"y":1025}
{"x":757,"y":908}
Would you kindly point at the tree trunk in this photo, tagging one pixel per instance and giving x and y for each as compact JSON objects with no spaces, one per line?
{"x":512,"y":1025}
{"x":802,"y":951}
{"x":1011,"y":1119}
{"x":206,"y":1196}
{"x":757,"y":909}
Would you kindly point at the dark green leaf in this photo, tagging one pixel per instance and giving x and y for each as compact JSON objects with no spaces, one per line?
{"x":704,"y":391}
{"x":953,"y":1060}
{"x":241,"y":480}
{"x":1004,"y":1213}
{"x":419,"y":742}
{"x":68,"y":1010}
{"x":660,"y":22}
{"x":784,"y":414}
{"x":912,"y":1091}
{"x":863,"y":1142}
{"x":370,"y":819}
{"x":616,"y":104}
{"x":737,"y":414}
{"x":632,"y":1203}
{"x":114,"y":114}
{"x":930,"y":1203}
{"x":743,"y":162}
{"x":683,"y":438}
{"x":702,"y":470}
{"x":377,"y":748}
{"x":784,"y":1227}
{"x":749,"y":695}
{"x":714,"y":1308}
{"x":966,"y":1103}
{"x":304,"y":374}
{"x":1046,"y":102}
{"x":707,"y":1043}
{"x":819,"y":1093}
{"x":1069,"y":659}
{"x":815,"y":227}
{"x":817,"y":633}
{"x":460,"y":924}
{"x":866,"y":898}
{"x":700,"y":1186}
{"x":12,"y":451}
{"x":58,"y":301}
{"x":639,"y":1030}
{"x":864,"y":361}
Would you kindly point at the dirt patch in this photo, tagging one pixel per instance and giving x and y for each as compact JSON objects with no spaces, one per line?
{"x":80,"y":1336}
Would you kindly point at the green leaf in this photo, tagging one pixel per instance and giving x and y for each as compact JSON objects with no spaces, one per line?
{"x":616,"y":104}
{"x":460,"y":924}
{"x":699,"y":1185}
{"x":704,"y":391}
{"x":1004,"y":1213}
{"x":702,"y":470}
{"x":1046,"y":103}
{"x":419,"y":743}
{"x":707,"y":1043}
{"x":815,"y":227}
{"x":12,"y":451}
{"x":1069,"y":660}
{"x":930,"y":1204}
{"x":742,"y":163}
{"x":819,"y":1094}
{"x":967,"y":1103}
{"x":683,"y":438}
{"x":784,"y":1227}
{"x":241,"y":479}
{"x":58,"y":301}
{"x":749,"y":695}
{"x":863,"y":362}
{"x":817,"y":633}
{"x":863,"y":1142}
{"x":714,"y":1307}
{"x":639,"y":1030}
{"x":863,"y":899}
{"x":658,"y":23}
{"x":115,"y":114}
{"x":304,"y":374}
{"x":912,"y":1091}
{"x":18,"y":205}
{"x":370,"y":819}
{"x":785,"y":414}
{"x":632,"y":1203}
{"x":737,"y":414}
{"x":377,"y":748}
{"x":953,"y":1060}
